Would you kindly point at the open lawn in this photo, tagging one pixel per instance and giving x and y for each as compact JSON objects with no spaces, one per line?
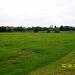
{"x":23,"y":53}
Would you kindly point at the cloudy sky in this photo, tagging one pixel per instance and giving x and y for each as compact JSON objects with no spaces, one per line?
{"x":37,"y":12}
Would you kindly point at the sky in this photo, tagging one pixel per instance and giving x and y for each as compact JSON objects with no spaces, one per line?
{"x":37,"y":12}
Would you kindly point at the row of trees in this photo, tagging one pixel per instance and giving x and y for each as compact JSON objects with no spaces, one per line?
{"x":29,"y":29}
{"x":67,"y":28}
{"x":36,"y":29}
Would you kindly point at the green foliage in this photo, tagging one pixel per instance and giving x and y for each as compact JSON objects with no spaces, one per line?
{"x":48,"y":30}
{"x":35,"y":30}
{"x":56,"y":29}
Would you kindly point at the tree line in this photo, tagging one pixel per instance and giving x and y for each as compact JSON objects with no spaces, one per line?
{"x":36,"y":29}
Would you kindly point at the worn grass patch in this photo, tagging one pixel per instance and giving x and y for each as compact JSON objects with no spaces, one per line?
{"x":56,"y":68}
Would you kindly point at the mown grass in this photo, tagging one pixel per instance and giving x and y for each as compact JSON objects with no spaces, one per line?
{"x":22,"y":53}
{"x":56,"y":67}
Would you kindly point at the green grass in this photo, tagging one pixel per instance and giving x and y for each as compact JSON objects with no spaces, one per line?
{"x":29,"y":53}
{"x":56,"y":67}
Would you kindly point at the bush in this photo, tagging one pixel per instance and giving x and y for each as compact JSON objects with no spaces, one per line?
{"x":56,"y":30}
{"x":48,"y":30}
{"x":36,"y":29}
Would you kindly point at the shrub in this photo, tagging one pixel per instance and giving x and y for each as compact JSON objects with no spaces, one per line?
{"x":36,"y":29}
{"x":56,"y":29}
{"x":48,"y":30}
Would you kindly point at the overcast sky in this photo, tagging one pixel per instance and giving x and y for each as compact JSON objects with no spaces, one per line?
{"x":37,"y":12}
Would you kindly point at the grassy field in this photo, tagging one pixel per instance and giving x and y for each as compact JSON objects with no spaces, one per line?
{"x":37,"y":53}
